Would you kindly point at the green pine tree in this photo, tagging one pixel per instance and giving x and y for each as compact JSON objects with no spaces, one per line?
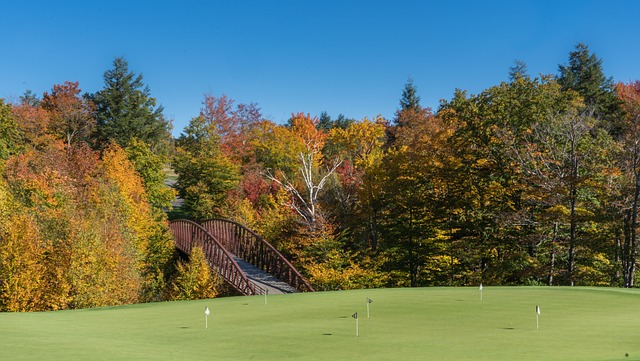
{"x":584,"y":75}
{"x":126,"y":110}
{"x":410,"y":99}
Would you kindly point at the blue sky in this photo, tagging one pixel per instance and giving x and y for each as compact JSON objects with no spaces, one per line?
{"x":349,"y":57}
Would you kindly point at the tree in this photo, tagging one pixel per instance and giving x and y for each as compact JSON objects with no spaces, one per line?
{"x":29,"y":98}
{"x":630,"y":165}
{"x":306,"y":187}
{"x":126,"y":110}
{"x":9,"y":135}
{"x":34,"y":126}
{"x":410,"y":110}
{"x":277,"y":147}
{"x":194,"y":280}
{"x":518,"y":70}
{"x":233,"y":125}
{"x":21,"y":265}
{"x":584,"y":75}
{"x":414,"y":237}
{"x":561,"y":152}
{"x":205,"y":173}
{"x":304,"y":199}
{"x":324,"y":122}
{"x":71,"y":115}
{"x":150,"y":167}
{"x":410,"y":99}
{"x":145,"y":246}
{"x":357,"y":198}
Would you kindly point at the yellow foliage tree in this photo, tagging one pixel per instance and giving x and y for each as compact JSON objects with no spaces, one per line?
{"x":21,"y":265}
{"x":194,"y":280}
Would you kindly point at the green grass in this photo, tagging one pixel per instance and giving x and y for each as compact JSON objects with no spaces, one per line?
{"x":405,"y":324}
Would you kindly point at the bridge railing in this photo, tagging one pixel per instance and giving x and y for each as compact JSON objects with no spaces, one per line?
{"x":247,"y":245}
{"x":188,"y":234}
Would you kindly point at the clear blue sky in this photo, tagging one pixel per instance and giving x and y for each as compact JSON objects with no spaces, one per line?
{"x":349,"y":57}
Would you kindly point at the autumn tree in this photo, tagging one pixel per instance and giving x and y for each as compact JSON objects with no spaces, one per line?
{"x":413,"y":228}
{"x":357,"y":199}
{"x":147,"y":239}
{"x":21,"y":264}
{"x":194,"y":280}
{"x":9,"y":134}
{"x":630,"y":165}
{"x":205,"y":174}
{"x":71,"y":115}
{"x":563,"y":153}
{"x":34,"y":126}
{"x":150,"y":166}
{"x":277,"y":147}
{"x":232,"y":123}
{"x":310,"y":182}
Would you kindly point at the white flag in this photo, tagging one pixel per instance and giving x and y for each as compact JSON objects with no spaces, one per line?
{"x":537,"y":310}
{"x":206,"y":311}
{"x":480,"y":288}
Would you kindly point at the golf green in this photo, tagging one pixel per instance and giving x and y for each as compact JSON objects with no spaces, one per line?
{"x":405,"y":324}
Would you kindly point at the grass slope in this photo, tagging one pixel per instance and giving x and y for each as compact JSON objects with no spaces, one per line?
{"x":405,"y":324}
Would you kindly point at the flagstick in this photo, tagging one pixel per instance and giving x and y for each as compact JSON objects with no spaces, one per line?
{"x":537,"y":324}
{"x":206,"y":318}
{"x":355,"y":315}
{"x":265,"y":296}
{"x":368,"y":309}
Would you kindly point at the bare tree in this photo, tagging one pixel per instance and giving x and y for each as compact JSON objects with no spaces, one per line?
{"x":305,"y":200}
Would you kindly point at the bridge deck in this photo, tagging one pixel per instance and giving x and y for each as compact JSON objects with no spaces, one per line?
{"x":263,"y":279}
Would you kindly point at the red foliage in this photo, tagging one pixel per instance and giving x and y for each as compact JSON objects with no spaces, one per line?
{"x":34,"y":124}
{"x":71,"y":115}
{"x":232,"y":125}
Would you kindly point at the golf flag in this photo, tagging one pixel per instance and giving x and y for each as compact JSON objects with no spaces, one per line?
{"x":206,"y":318}
{"x":480,"y":288}
{"x":368,"y":302}
{"x":206,"y":311}
{"x":537,"y":310}
{"x":355,"y":315}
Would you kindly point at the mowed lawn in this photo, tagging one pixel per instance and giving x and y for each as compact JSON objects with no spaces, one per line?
{"x":405,"y":324}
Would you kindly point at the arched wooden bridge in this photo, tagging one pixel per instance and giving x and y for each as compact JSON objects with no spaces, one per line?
{"x":245,"y":260}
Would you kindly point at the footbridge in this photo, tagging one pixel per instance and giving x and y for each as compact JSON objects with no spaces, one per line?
{"x":245,"y":260}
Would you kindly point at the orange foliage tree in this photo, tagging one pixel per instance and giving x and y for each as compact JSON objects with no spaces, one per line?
{"x":71,"y":116}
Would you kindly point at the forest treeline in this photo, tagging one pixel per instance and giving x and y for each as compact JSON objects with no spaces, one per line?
{"x":534,"y":181}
